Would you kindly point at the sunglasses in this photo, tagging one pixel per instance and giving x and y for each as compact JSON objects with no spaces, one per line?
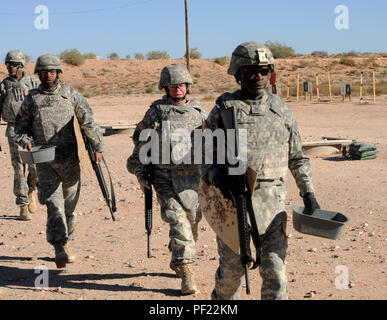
{"x":13,"y":64}
{"x":255,"y":70}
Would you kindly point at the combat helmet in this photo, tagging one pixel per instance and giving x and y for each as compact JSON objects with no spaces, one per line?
{"x":16,"y":56}
{"x":48,"y":62}
{"x":250,"y":53}
{"x":174,"y":74}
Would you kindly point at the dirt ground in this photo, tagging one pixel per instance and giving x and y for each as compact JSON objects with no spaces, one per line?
{"x":111,"y":256}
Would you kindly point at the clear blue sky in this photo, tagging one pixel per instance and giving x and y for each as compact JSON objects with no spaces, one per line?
{"x":216,"y":26}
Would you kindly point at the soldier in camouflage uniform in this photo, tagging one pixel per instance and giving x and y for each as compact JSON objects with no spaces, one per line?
{"x":13,"y":90}
{"x":273,"y":146}
{"x":46,"y":116}
{"x":176,"y":185}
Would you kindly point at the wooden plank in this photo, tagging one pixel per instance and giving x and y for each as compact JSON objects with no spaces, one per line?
{"x":118,"y":126}
{"x":326,"y":143}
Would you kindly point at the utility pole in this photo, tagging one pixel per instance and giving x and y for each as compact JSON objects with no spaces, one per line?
{"x":187,"y":36}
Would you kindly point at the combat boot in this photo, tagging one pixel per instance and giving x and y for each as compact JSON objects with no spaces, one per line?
{"x":24,"y":213}
{"x":32,"y":206}
{"x":61,"y":257}
{"x":71,"y":257}
{"x":188,"y":285}
{"x":176,"y":269}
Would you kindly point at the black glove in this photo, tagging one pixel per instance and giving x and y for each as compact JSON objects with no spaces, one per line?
{"x":310,"y":203}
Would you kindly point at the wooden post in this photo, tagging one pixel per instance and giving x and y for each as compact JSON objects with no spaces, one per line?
{"x":317,"y":88}
{"x":374,"y":84}
{"x":288,"y":90}
{"x":298,"y":85}
{"x":361,"y":86}
{"x":329,"y":86}
{"x":187,"y":36}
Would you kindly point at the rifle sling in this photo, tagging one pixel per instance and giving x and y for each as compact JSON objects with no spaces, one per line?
{"x":254,"y":232}
{"x":114,"y":207}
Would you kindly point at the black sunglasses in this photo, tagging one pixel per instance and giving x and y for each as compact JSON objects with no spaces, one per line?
{"x":255,"y":70}
{"x":13,"y":64}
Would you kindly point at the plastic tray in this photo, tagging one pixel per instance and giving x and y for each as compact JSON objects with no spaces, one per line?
{"x":38,"y":154}
{"x":322,"y":223}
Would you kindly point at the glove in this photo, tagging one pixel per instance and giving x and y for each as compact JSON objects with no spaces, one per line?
{"x":310,"y":203}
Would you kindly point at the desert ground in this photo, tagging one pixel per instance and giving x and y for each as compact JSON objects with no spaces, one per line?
{"x":111,"y":259}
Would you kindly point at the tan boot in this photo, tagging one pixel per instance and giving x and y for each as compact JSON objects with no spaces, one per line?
{"x":71,"y":257}
{"x":188,"y":285}
{"x":32,"y":206}
{"x":24,"y":213}
{"x":61,"y":257}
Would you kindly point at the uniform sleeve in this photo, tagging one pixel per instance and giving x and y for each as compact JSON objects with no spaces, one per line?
{"x":2,"y":98}
{"x":150,"y":121}
{"x":23,"y":123}
{"x":299,"y":164}
{"x":87,"y":123}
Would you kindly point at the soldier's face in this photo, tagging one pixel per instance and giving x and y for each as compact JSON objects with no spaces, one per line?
{"x":48,"y":78}
{"x":13,"y":68}
{"x":254,"y":79}
{"x":177,"y":92}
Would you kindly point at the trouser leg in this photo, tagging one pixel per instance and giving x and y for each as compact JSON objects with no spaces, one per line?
{"x":273,"y":269}
{"x":228,"y":276}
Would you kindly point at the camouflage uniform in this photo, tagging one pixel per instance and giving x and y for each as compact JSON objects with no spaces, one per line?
{"x":12,"y":94}
{"x":273,"y":146}
{"x":176,"y":185}
{"x":47,"y":118}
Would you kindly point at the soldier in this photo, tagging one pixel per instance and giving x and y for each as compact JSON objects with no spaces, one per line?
{"x":46,"y":116}
{"x":175,"y":184}
{"x":273,"y":146}
{"x":13,"y":90}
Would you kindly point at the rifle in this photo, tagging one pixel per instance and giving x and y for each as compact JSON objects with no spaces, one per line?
{"x":111,"y":203}
{"x":241,"y":196}
{"x":148,"y":207}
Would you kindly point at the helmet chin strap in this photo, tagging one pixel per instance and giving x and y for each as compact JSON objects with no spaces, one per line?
{"x":175,"y":99}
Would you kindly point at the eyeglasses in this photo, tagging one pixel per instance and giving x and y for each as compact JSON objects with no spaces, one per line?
{"x":13,"y":64}
{"x":176,"y":86}
{"x":256,"y":70}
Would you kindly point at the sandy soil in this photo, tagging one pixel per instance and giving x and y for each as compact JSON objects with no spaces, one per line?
{"x":111,"y":256}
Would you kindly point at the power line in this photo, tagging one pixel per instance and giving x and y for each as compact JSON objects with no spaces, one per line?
{"x":79,"y":11}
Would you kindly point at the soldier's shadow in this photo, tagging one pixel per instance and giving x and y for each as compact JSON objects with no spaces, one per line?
{"x":12,"y":276}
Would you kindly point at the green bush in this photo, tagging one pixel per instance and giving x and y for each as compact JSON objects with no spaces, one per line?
{"x":156,"y":55}
{"x":319,"y":53}
{"x":347,"y":62}
{"x":90,"y":55}
{"x":138,"y":56}
{"x":221,"y":60}
{"x":127,"y":57}
{"x":73,"y":57}
{"x":194,"y":54}
{"x":113,"y":56}
{"x":280,"y":50}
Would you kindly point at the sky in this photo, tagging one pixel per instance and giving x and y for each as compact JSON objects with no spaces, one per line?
{"x":216,"y":27}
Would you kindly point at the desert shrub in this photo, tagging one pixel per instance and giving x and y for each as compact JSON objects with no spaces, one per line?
{"x":347,"y":62}
{"x":149,"y":90}
{"x":280,"y":50}
{"x":156,"y":55}
{"x":73,"y":57}
{"x":319,"y":53}
{"x":194,"y":54}
{"x":351,"y":53}
{"x":138,"y":56}
{"x":221,"y":60}
{"x":113,"y":56}
{"x":90,"y":55}
{"x":127,"y":57}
